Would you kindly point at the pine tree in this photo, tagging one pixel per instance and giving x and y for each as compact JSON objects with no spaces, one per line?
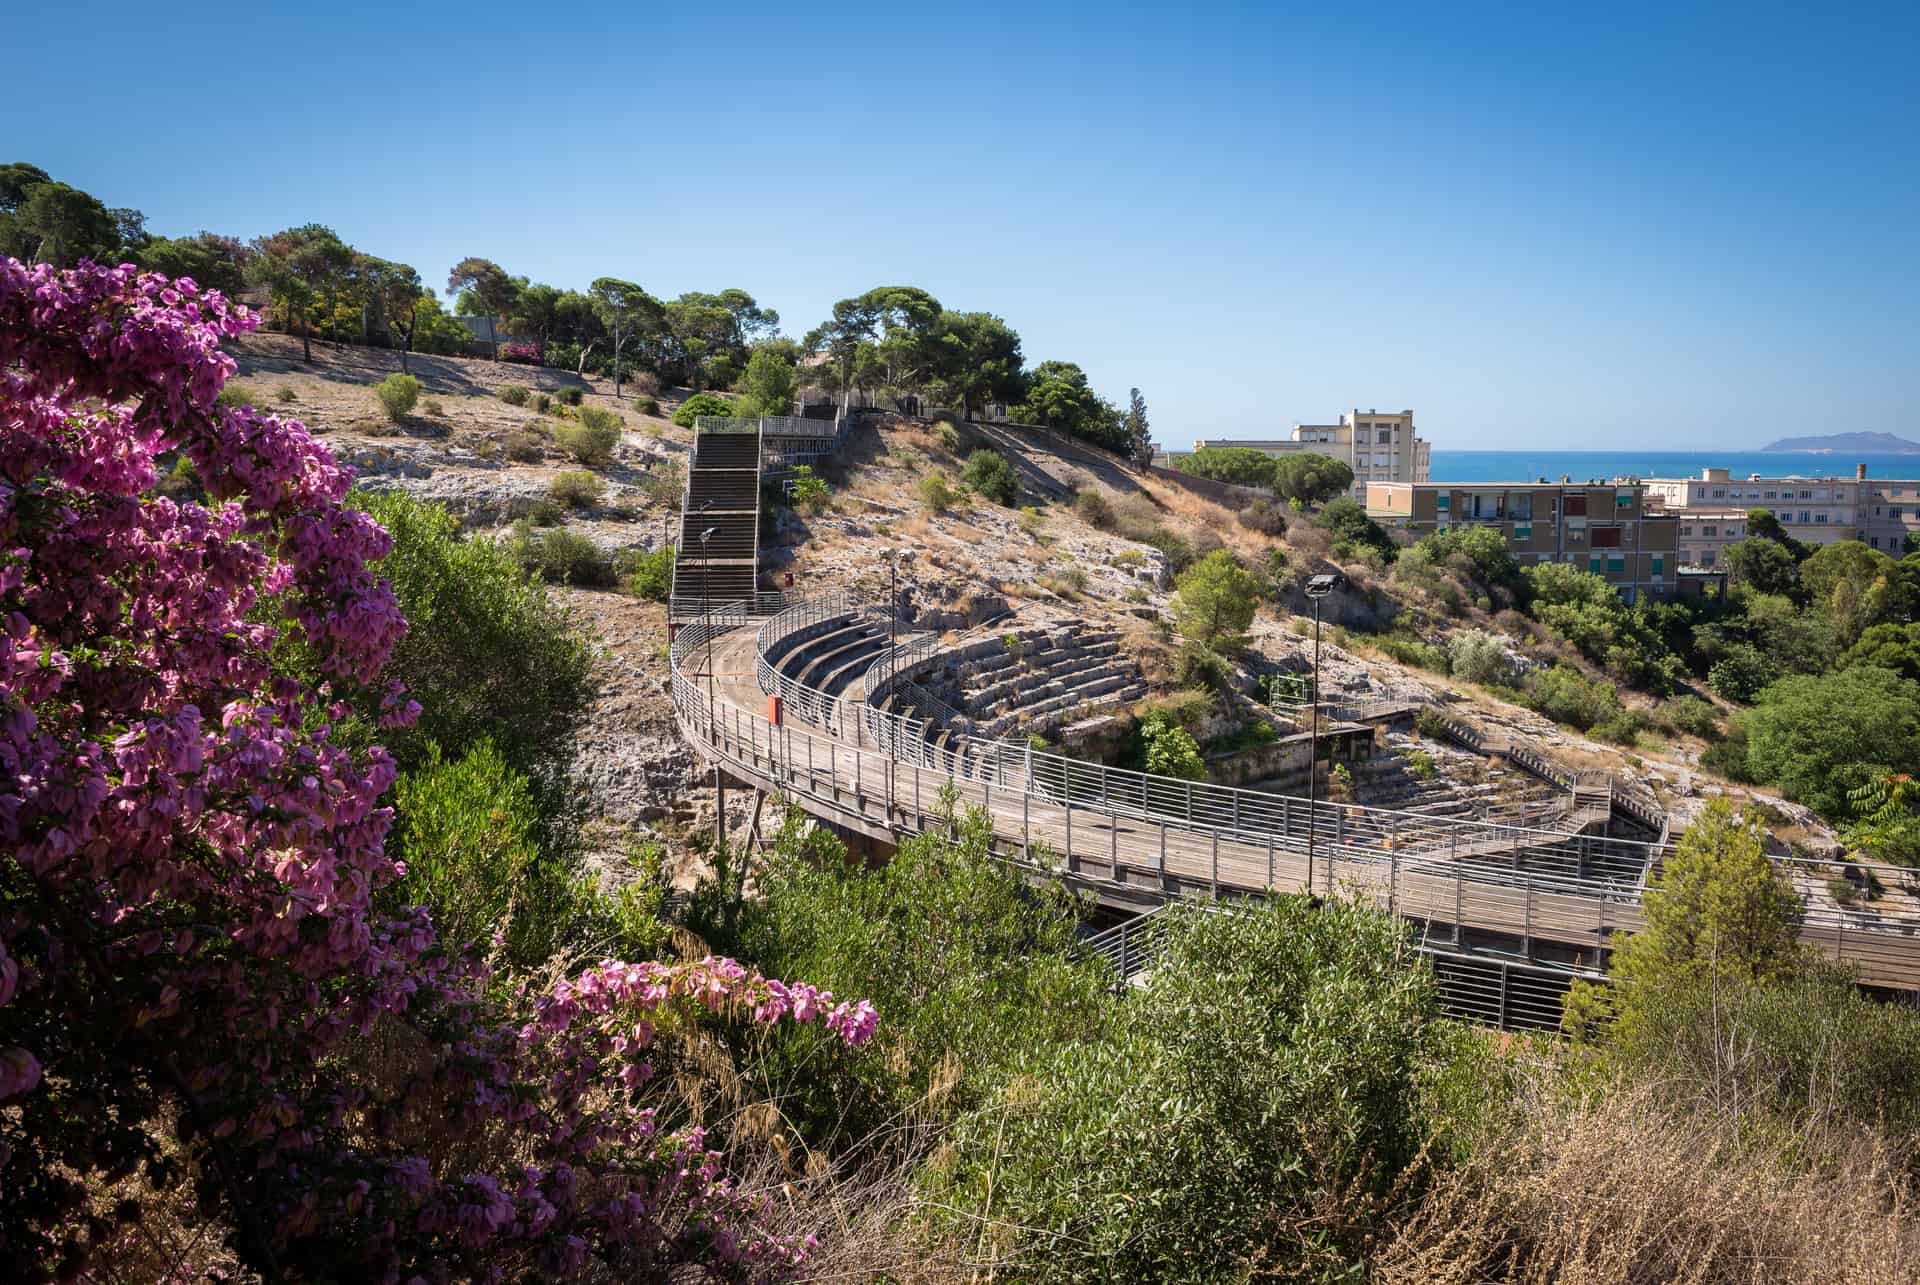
{"x":1139,"y":435}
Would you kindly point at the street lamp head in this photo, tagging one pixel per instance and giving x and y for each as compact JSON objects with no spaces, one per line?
{"x":708,"y":534}
{"x":1322,"y":585}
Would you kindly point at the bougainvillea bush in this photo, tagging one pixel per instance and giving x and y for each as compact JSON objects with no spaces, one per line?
{"x":196,"y":991}
{"x":527,"y":354}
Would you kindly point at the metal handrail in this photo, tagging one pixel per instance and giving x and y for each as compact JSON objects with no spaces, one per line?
{"x":1363,"y":843}
{"x":1138,"y":794}
{"x":774,"y":425}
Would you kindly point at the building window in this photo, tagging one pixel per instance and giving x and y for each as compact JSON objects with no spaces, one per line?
{"x":1873,"y":542}
{"x":1606,"y":537}
{"x":1706,"y":530}
{"x":1686,"y":530}
{"x":1806,"y":495}
{"x":1576,"y":506}
{"x":1819,"y":518}
{"x":1386,"y":435}
{"x":1616,"y":564}
{"x":1772,"y":495}
{"x":1443,"y":502}
{"x":1596,"y":563}
{"x":1706,"y":558}
{"x":1804,"y":516}
{"x":1720,"y":494}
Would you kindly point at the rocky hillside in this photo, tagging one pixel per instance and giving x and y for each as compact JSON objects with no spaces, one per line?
{"x":1051,"y":557}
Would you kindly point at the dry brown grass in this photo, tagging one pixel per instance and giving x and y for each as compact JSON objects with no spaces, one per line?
{"x":1625,"y":1192}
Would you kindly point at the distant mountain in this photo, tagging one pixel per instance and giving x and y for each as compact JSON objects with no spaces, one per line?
{"x":1867,"y":443}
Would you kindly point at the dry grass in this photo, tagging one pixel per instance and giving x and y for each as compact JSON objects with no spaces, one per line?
{"x":1625,"y":1192}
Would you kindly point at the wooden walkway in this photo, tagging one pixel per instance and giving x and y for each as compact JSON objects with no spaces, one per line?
{"x":1142,"y":858}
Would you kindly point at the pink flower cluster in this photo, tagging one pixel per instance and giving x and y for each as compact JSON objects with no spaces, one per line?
{"x":189,"y":859}
{"x":528,"y":354}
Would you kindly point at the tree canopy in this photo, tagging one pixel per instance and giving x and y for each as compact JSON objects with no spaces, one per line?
{"x":1216,"y":600}
{"x":1819,"y":736}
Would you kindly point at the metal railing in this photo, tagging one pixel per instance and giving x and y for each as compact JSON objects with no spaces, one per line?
{"x":769,"y":425}
{"x":1131,"y":828}
{"x":1497,"y":990}
{"x":1511,"y":850}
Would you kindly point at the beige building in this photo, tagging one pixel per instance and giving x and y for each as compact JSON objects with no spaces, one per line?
{"x":1379,"y":446}
{"x":1605,"y":528}
{"x":1706,"y":532}
{"x":1879,"y":512}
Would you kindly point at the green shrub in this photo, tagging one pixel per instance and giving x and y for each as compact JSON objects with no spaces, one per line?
{"x":988,"y":474}
{"x":1164,"y":748}
{"x":701,"y":404}
{"x":487,"y":652}
{"x":1263,"y":1088}
{"x":1202,"y":668}
{"x":665,"y":482}
{"x":1742,"y":673}
{"x":1478,"y":657}
{"x":1094,"y":509}
{"x":936,"y":493}
{"x":571,"y":395}
{"x":524,"y":448}
{"x":578,"y":489}
{"x":542,"y":403}
{"x":647,"y":574}
{"x":515,"y":395}
{"x":1409,"y":650}
{"x":398,"y":394}
{"x":235,"y":395}
{"x":546,"y":512}
{"x":565,"y":557}
{"x":592,"y":439}
{"x":1566,"y":695}
{"x":1623,"y":728}
{"x":977,"y":968}
{"x":467,"y":833}
{"x":1184,"y":709}
{"x":285,"y":393}
{"x":947,"y":433}
{"x":647,"y":405}
{"x":810,"y":492}
{"x":1422,"y":765}
{"x":1264,"y":516}
{"x":1431,"y":723}
{"x":1691,"y":715}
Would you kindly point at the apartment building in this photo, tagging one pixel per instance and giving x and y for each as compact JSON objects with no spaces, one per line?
{"x":1379,"y":446}
{"x":1888,"y":515}
{"x":1879,"y":512}
{"x":1706,"y":532}
{"x":1606,"y":528}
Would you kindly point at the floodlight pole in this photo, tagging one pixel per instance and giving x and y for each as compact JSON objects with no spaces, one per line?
{"x":1313,"y":747}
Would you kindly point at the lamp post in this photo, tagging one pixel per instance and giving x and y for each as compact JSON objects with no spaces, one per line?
{"x":1317,"y":588}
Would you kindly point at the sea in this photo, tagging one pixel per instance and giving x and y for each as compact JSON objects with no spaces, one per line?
{"x":1532,"y":466}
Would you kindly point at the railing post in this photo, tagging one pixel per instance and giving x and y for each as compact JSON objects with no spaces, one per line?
{"x":1269,"y":861}
{"x":1393,"y":879}
{"x":1113,"y":855}
{"x":1216,"y":863}
{"x":1526,"y":935}
{"x":1070,"y":866}
{"x":1163,"y":854}
{"x":1026,"y":825}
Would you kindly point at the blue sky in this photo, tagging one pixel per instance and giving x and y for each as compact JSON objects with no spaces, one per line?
{"x":1653,"y":226}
